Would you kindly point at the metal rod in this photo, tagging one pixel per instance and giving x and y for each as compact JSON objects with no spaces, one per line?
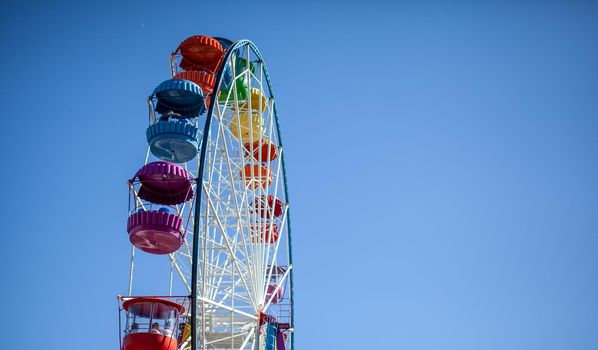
{"x":131,"y":269}
{"x":171,"y":273}
{"x":119,"y":326}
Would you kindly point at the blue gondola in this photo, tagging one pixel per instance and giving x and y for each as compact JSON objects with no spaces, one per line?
{"x":172,"y":140}
{"x":179,"y":96}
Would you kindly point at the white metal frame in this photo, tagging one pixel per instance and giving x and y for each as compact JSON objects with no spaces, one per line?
{"x":235,"y":266}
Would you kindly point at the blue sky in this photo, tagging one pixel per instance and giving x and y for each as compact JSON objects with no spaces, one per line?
{"x":441,"y":162}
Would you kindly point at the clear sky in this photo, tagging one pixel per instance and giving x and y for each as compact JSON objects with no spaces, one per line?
{"x":442,"y":164}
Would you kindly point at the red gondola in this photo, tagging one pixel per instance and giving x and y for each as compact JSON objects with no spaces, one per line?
{"x":151,"y":324}
{"x":262,"y":150}
{"x":200,"y":53}
{"x":267,"y":206}
{"x":264,"y":232}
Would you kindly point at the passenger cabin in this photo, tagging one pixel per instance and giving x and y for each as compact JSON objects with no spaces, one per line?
{"x":151,"y":324}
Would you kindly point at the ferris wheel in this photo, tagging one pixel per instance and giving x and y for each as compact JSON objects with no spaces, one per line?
{"x":211,"y":202}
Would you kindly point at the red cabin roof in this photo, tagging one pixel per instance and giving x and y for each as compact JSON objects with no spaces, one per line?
{"x":163,"y":306}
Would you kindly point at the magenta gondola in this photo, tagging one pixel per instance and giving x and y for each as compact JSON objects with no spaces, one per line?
{"x":164,"y":183}
{"x":278,"y":292}
{"x":155,"y":232}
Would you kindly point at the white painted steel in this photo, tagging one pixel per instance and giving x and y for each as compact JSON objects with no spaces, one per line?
{"x":235,"y":266}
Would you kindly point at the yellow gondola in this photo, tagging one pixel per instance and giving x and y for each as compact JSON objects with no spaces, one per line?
{"x":246,"y":128}
{"x":258,"y":100}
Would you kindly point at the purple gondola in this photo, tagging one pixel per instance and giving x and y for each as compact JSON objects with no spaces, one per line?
{"x":164,"y":183}
{"x":155,"y":231}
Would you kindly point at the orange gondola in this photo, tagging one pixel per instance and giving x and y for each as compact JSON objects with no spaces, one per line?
{"x":200,"y":53}
{"x":204,"y":79}
{"x":256,"y":175}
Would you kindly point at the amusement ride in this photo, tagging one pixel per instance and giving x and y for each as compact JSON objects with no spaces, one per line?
{"x":211,"y":203}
